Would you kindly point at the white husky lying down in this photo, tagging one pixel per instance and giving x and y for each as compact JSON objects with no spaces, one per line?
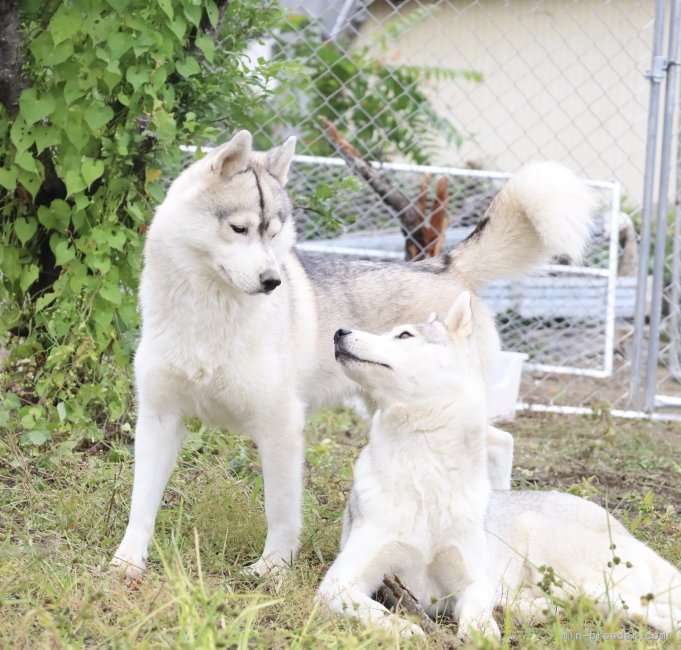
{"x":421,"y":506}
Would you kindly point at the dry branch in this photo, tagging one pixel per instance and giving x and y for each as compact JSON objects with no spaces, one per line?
{"x":411,"y":220}
{"x":407,"y":601}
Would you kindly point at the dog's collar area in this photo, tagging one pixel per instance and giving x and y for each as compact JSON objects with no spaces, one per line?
{"x":342,"y":355}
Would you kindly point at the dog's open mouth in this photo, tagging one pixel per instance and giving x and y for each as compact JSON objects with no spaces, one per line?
{"x":343,"y":356}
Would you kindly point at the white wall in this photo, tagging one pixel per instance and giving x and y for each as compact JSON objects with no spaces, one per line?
{"x":562,"y":79}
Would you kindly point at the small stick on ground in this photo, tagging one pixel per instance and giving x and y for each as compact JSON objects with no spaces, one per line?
{"x":407,"y":601}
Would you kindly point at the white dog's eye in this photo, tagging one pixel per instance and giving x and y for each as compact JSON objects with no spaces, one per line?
{"x":405,"y":335}
{"x":240,"y":230}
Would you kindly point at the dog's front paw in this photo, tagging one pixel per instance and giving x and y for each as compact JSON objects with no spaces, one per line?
{"x":129,"y":560}
{"x":272,"y":565}
{"x":483,"y":626}
{"x":401,"y":626}
{"x":130,"y":569}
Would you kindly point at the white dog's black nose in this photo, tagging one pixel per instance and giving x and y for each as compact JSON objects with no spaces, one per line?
{"x":340,"y":334}
{"x":269,"y":280}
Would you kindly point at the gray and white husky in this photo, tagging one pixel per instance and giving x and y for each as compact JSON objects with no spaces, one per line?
{"x":422,"y":507}
{"x":237,"y":327}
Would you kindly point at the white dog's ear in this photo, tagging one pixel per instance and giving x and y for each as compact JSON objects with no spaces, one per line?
{"x":279,"y":159}
{"x":432,"y":318}
{"x":232,"y":157}
{"x":459,"y":319}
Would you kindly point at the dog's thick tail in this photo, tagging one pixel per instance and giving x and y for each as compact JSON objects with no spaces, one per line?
{"x":542,"y":211}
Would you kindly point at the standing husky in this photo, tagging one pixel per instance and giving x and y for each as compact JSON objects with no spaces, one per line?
{"x":421,"y":505}
{"x":237,"y":327}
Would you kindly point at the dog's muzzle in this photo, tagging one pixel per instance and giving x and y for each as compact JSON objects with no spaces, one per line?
{"x":269,"y":281}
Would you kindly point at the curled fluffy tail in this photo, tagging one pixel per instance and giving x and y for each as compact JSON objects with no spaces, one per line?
{"x":542,"y":211}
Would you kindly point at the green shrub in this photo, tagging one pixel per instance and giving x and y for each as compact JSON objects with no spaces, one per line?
{"x":111,"y":88}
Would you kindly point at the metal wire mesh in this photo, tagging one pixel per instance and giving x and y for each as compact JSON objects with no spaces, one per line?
{"x":489,"y":85}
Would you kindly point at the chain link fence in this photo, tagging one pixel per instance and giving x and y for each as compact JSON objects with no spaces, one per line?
{"x":469,"y":91}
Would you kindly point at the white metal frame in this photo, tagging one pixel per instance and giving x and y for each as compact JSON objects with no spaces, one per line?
{"x":614,"y":190}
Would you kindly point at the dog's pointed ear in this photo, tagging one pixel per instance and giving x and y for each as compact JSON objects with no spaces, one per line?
{"x":459,"y":319}
{"x":232,"y":157}
{"x":279,"y":159}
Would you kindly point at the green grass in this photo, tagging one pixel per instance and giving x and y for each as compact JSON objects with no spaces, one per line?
{"x":59,"y":525}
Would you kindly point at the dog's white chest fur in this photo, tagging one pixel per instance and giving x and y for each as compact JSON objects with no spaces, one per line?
{"x":418,"y":492}
{"x":231,"y":366}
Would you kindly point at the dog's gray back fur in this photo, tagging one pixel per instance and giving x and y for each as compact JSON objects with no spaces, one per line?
{"x":374,"y":296}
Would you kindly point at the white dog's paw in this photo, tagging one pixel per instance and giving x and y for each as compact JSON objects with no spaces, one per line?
{"x":130,"y":569}
{"x":272,"y":565}
{"x":484,"y":626}
{"x":411,"y":629}
{"x":397,"y":625}
{"x":129,"y":560}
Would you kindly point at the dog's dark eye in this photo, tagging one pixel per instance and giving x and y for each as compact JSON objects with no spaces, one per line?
{"x":240,"y":230}
{"x":405,"y":335}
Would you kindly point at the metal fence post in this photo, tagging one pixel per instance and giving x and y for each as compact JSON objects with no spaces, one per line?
{"x":662,"y":206}
{"x":675,"y":293}
{"x":655,"y":75}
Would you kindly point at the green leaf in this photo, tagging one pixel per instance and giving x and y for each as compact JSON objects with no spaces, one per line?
{"x":8,"y":179}
{"x":41,"y":46}
{"x":188,"y":67}
{"x":111,"y":293}
{"x":192,"y":13}
{"x":26,"y":161}
{"x":45,"y":300}
{"x":91,"y":170}
{"x":164,"y":126}
{"x":46,"y":136}
{"x":55,"y":217}
{"x":136,"y":77}
{"x":74,"y":182}
{"x":213,"y":13}
{"x":61,"y":411}
{"x":73,"y":91}
{"x":31,"y":181}
{"x":63,"y":252}
{"x":21,"y":134}
{"x":119,"y":44}
{"x":179,"y":27}
{"x":76,"y":134}
{"x":25,"y":229}
{"x":64,"y":24}
{"x":97,"y":116}
{"x":167,"y":7}
{"x":119,"y":5}
{"x":29,"y":274}
{"x":207,"y":46}
{"x":117,"y":239}
{"x":62,"y":52}
{"x":11,"y":266}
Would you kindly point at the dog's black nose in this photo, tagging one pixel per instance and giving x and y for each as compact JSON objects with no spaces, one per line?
{"x":340,"y":334}
{"x":269,"y":280}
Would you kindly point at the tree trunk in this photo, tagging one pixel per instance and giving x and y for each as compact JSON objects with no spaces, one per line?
{"x":11,"y":81}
